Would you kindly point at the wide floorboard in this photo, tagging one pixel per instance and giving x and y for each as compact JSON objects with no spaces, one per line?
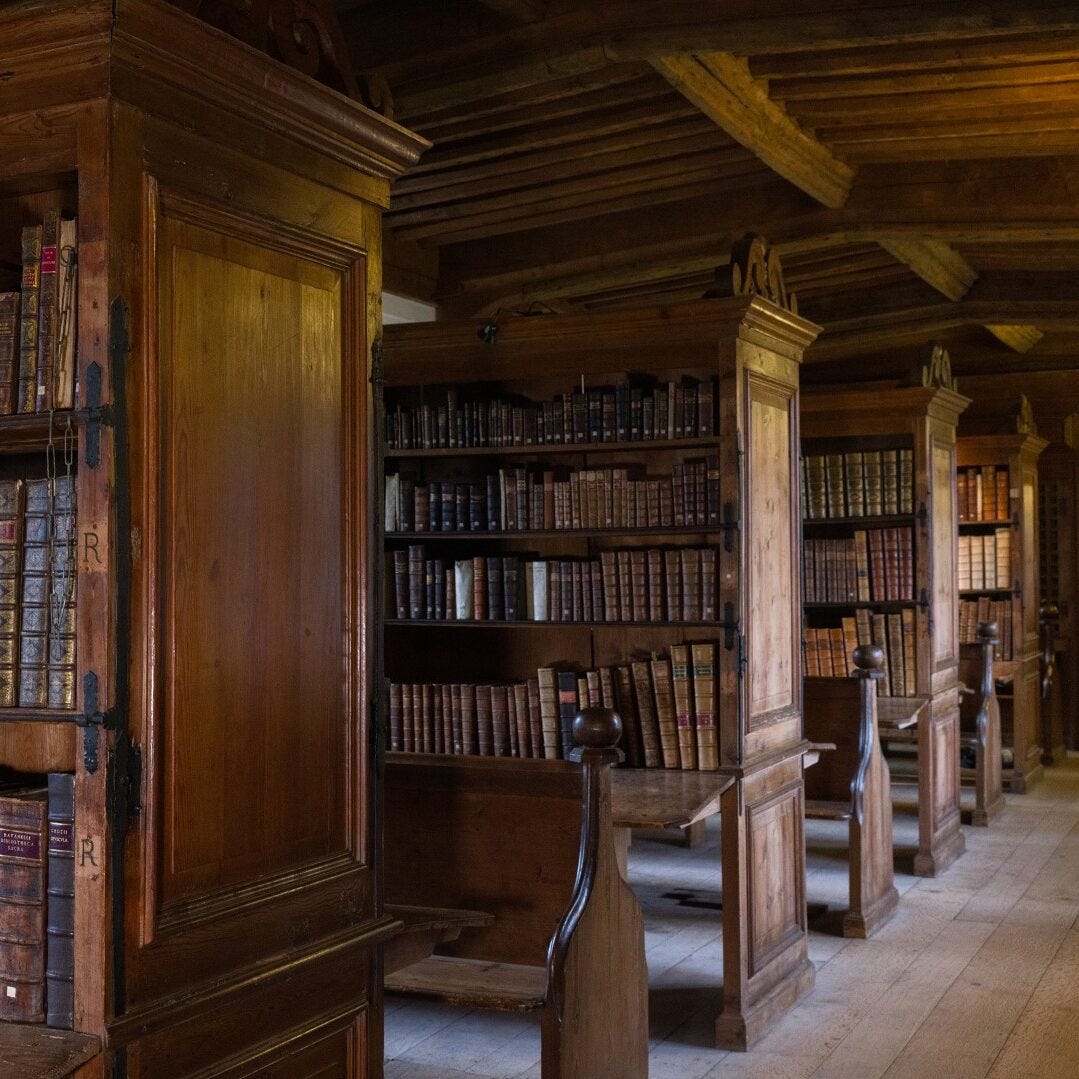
{"x":976,"y":975}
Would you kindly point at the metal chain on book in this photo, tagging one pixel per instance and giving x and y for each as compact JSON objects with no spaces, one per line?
{"x":61,"y":541}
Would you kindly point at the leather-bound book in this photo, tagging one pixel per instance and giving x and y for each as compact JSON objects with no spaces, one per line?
{"x":656,"y":609}
{"x":34,"y":614}
{"x":456,"y":732}
{"x":895,"y":655}
{"x":840,"y":661}
{"x":638,"y":573}
{"x":479,"y":588}
{"x":624,"y":705}
{"x":906,"y":481}
{"x":678,"y":482}
{"x":611,"y":595}
{"x":961,"y":494}
{"x":666,"y":504}
{"x":855,"y":476}
{"x":910,"y":672}
{"x":535,"y":719}
{"x":397,"y":741}
{"x":406,"y":504}
{"x":26,"y":394}
{"x":599,"y":607}
{"x":625,"y":586}
{"x":433,"y":521}
{"x":709,"y":604}
{"x":874,"y":483}
{"x":554,"y":590}
{"x":511,"y":587}
{"x":850,"y":642}
{"x":48,"y":311}
{"x":683,"y":707}
{"x":877,"y":575}
{"x":890,"y":479}
{"x":430,"y":724}
{"x":566,"y":578}
{"x":434,"y":719}
{"x":494,"y":504}
{"x":703,"y":655}
{"x":836,"y":485}
{"x":513,"y":745}
{"x":417,"y":559}
{"x":567,"y":709}
{"x":446,"y":715}
{"x":666,"y":712}
{"x":496,"y":606}
{"x":652,"y":516}
{"x":547,"y":686}
{"x":485,"y":740}
{"x":700,"y":492}
{"x":64,"y":379}
{"x":672,"y":581}
{"x":691,"y":584}
{"x":824,"y":653}
{"x":588,"y":607}
{"x":863,"y":623}
{"x":880,"y":638}
{"x":23,"y":845}
{"x":522,"y":731}
{"x":408,"y":738}
{"x":1003,"y":501}
{"x":9,"y":351}
{"x":646,"y":714}
{"x":809,"y":649}
{"x":469,"y":731}
{"x":576,"y":601}
{"x":11,"y":497}
{"x":60,"y":903}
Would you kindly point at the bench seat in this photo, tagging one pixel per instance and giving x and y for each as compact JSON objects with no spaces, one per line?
{"x":475,"y":983}
{"x":820,"y":809}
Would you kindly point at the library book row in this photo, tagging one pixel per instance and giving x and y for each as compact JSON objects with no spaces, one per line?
{"x":674,"y":584}
{"x":37,"y":899}
{"x":667,"y":705}
{"x":874,"y":565}
{"x":869,"y":483}
{"x":522,"y":499}
{"x":985,"y":561}
{"x":982,"y":494}
{"x":829,"y":652}
{"x":639,"y":410}
{"x":985,"y":609}
{"x":37,"y":321}
{"x":37,"y":593}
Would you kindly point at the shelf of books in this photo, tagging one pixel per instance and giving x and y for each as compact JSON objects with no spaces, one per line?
{"x":878,"y":523}
{"x":997,"y":569}
{"x":600,"y":509}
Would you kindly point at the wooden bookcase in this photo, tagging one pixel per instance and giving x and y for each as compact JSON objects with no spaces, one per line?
{"x":226,"y":877}
{"x":1019,"y":705}
{"x":1058,"y":577}
{"x":753,"y":347}
{"x":921,"y":420}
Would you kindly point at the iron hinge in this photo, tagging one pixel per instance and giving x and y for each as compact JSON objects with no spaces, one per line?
{"x":91,"y":720}
{"x":94,"y":414}
{"x":124,"y":782}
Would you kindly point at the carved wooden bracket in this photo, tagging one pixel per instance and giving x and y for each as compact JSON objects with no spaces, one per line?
{"x":936,"y":371}
{"x":301,"y":33}
{"x":754,"y":270}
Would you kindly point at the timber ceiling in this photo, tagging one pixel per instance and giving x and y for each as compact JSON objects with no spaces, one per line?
{"x":917,"y":165}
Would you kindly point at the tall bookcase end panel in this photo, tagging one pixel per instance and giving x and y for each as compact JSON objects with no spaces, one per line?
{"x":997,"y":494}
{"x":879,"y":527}
{"x":165,"y":140}
{"x":602,"y":508}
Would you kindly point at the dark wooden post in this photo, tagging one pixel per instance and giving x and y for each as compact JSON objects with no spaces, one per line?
{"x":595,"y":1021}
{"x":873,"y":895}
{"x":1048,"y":615}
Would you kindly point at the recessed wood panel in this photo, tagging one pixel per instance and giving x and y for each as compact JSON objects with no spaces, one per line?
{"x":776,"y":878}
{"x":250,"y":519}
{"x":945,"y":608}
{"x":769,"y":587}
{"x":946,"y":777}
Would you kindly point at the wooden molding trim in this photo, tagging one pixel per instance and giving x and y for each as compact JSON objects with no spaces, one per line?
{"x":721,"y":86}
{"x":1017,"y":336}
{"x":935,"y":262}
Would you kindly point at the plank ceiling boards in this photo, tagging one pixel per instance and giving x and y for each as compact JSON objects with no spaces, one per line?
{"x":915,"y":164}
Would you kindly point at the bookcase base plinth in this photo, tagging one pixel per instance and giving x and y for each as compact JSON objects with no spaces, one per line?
{"x":980,"y":818}
{"x":930,"y":862}
{"x":739,"y":1029}
{"x":1022,"y":781}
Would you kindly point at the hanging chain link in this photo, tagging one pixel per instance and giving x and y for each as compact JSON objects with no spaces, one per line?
{"x":62,"y":568}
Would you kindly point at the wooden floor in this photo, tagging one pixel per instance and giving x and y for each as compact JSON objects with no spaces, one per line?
{"x":976,"y":975}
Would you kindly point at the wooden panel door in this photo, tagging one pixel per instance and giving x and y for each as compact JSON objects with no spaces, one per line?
{"x":249,"y":670}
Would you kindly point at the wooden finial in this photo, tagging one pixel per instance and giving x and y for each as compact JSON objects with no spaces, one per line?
{"x":936,"y":370}
{"x":987,"y":632}
{"x":597,"y":728}
{"x":754,"y":270}
{"x":1024,"y":418}
{"x":869,"y":659}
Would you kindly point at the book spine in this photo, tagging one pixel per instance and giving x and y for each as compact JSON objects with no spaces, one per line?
{"x":28,"y":318}
{"x":48,"y":311}
{"x":61,"y":648}
{"x":60,"y":903}
{"x":567,"y":709}
{"x":11,"y":530}
{"x":9,"y":351}
{"x":34,"y":627}
{"x":23,"y":846}
{"x":666,"y":712}
{"x":683,"y":707}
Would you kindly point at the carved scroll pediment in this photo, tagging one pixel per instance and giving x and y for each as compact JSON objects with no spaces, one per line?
{"x":936,"y":370}
{"x":754,"y":270}
{"x":304,"y":34}
{"x":1024,"y":417}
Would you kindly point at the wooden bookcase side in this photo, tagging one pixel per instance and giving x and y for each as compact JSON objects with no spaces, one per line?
{"x":925,"y":419}
{"x":1020,"y":714}
{"x":1058,"y":474}
{"x":155,"y":130}
{"x":755,"y":349}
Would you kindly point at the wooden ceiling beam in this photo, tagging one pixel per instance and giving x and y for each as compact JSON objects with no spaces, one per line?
{"x":644,"y":29}
{"x":1018,"y":337}
{"x":721,"y":86}
{"x":934,"y":262}
{"x":522,"y":11}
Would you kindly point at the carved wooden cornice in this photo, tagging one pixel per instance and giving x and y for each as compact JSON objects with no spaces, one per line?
{"x":754,"y":270}
{"x":304,"y":34}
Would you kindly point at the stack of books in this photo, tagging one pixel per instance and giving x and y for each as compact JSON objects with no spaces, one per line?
{"x":874,"y":565}
{"x":985,"y":561}
{"x":982,"y":494}
{"x":869,"y":483}
{"x":829,"y":652}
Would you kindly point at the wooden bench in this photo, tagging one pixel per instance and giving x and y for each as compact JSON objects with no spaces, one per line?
{"x":979,"y":724}
{"x":532,"y":844}
{"x":851,"y":783}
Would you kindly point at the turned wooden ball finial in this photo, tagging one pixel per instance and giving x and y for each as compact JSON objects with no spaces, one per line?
{"x":597,"y":728}
{"x":869,"y":659}
{"x":987,"y":631}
